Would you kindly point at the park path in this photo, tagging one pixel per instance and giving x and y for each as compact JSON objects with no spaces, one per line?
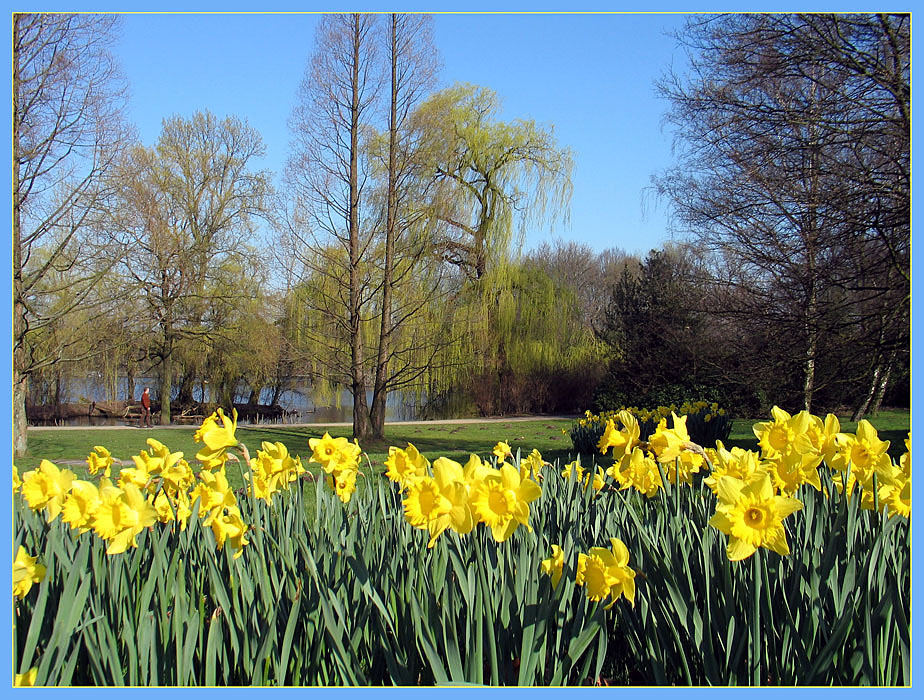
{"x":448,"y":421}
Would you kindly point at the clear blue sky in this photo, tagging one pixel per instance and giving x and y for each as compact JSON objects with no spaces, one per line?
{"x":591,"y":76}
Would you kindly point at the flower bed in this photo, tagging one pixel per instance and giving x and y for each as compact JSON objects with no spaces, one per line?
{"x":787,"y":566}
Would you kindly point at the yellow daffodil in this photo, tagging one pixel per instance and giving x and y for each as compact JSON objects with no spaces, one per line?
{"x":170,"y":508}
{"x":823,"y":436}
{"x":273,"y":469}
{"x":599,"y":479}
{"x":784,"y":434}
{"x":554,"y":565}
{"x":531,"y":466}
{"x":789,"y":471}
{"x":403,"y":466}
{"x":47,"y":488}
{"x":100,"y":460}
{"x":899,"y":498}
{"x":27,"y":679}
{"x":637,"y":470}
{"x":751,"y":514}
{"x":343,"y":482}
{"x":217,"y":432}
{"x":425,"y":506}
{"x":861,"y":451}
{"x":735,"y":462}
{"x":475,"y":470}
{"x":450,"y":478}
{"x":622,"y":441}
{"x":17,"y":482}
{"x":606,"y":572}
{"x":669,"y":443}
{"x":501,"y":501}
{"x":334,"y":454}
{"x":228,"y":527}
{"x":502,"y":451}
{"x":574,"y":470}
{"x":121,"y":515}
{"x":26,"y":571}
{"x":213,"y":492}
{"x":80,"y":505}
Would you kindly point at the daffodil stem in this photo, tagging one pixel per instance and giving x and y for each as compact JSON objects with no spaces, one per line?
{"x":755,"y":621}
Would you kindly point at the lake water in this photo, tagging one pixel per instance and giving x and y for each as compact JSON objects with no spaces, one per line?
{"x":297,"y":402}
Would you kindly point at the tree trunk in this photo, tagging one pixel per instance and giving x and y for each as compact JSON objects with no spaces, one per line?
{"x":20,"y":378}
{"x":362,"y":428}
{"x":20,"y":424}
{"x":860,"y":411}
{"x":184,"y":396}
{"x":254,"y":398}
{"x":881,"y":389}
{"x":166,"y":388}
{"x":380,"y":389}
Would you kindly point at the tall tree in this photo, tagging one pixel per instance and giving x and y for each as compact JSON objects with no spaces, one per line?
{"x":790,"y":128}
{"x":412,"y":68}
{"x":328,"y":174}
{"x":67,"y":133}
{"x":187,"y":214}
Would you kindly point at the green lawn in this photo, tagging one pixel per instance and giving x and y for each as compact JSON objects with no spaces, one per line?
{"x":455,"y":441}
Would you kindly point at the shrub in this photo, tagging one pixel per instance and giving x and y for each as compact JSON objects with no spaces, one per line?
{"x":706,"y":423}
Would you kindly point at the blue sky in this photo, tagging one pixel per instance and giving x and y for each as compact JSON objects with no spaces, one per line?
{"x":591,"y":76}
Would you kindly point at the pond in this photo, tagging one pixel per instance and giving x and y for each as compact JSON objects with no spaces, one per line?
{"x":296,"y":402}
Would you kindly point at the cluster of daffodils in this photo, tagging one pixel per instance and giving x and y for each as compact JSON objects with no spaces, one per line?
{"x":707,"y":422}
{"x":793,"y":447}
{"x":446,"y":494}
{"x":339,"y":458}
{"x":160,"y":487}
{"x":586,"y":477}
{"x":640,"y":465}
{"x":755,"y":490}
{"x":655,"y":415}
{"x":605,"y":573}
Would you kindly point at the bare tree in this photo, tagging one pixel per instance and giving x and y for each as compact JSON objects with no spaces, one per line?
{"x":67,"y":134}
{"x":788,"y":133}
{"x":413,"y":68}
{"x":328,"y":174}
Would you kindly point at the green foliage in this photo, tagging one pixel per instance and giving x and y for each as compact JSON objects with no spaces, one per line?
{"x":525,"y":346}
{"x":833,"y":612}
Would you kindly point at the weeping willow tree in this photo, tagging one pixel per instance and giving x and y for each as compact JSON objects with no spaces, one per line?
{"x":525,"y":344}
{"x":493,"y":179}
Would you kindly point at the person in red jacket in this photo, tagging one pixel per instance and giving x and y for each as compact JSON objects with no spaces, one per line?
{"x":146,"y":408}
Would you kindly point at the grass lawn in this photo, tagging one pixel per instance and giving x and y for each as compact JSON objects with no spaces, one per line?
{"x":455,"y":441}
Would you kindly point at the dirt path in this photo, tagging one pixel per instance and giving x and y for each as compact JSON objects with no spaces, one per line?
{"x":450,"y":421}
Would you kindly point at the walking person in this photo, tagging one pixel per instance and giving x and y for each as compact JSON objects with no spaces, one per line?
{"x":146,"y":408}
